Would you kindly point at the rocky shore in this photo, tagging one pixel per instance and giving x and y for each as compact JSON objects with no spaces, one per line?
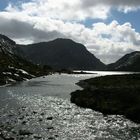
{"x":118,"y":94}
{"x":17,"y":124}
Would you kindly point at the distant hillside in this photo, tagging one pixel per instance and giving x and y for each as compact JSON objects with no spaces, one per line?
{"x":129,"y":62}
{"x":61,"y":54}
{"x":12,"y":67}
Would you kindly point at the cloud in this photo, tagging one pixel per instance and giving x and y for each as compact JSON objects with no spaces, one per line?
{"x":76,"y":10}
{"x":45,"y":20}
{"x":121,"y":5}
{"x":29,"y":29}
{"x":111,"y":2}
{"x":102,"y":39}
{"x":61,"y":9}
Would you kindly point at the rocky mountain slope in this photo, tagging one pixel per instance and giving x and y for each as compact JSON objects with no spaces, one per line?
{"x":61,"y":54}
{"x":12,"y":67}
{"x":129,"y":62}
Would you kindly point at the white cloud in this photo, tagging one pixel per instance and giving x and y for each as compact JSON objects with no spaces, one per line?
{"x":61,"y":9}
{"x":44,"y":20}
{"x":74,"y":9}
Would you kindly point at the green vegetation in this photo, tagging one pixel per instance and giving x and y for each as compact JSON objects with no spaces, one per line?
{"x":111,"y":95}
{"x":131,"y":80}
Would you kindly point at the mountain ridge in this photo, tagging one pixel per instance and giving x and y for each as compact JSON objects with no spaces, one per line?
{"x":129,"y":62}
{"x":14,"y":68}
{"x":66,"y":54}
{"x":61,"y":53}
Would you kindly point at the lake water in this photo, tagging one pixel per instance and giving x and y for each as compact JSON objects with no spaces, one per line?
{"x":42,"y":107}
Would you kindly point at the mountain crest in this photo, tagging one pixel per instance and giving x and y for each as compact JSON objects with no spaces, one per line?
{"x":129,"y":62}
{"x":6,"y":45}
{"x":61,"y":54}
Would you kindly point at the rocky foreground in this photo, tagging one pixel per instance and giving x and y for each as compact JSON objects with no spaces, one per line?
{"x":48,"y":118}
{"x":118,"y":94}
{"x":14,"y":68}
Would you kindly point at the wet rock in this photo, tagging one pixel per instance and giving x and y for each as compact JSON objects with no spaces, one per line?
{"x":21,"y":138}
{"x":24,"y":122}
{"x":13,"y":131}
{"x":10,"y":138}
{"x":25,"y":132}
{"x":42,"y":114}
{"x":21,"y":118}
{"x":10,"y":115}
{"x":9,"y":128}
{"x":40,"y":119}
{"x":37,"y":137}
{"x":1,"y":126}
{"x":49,"y":128}
{"x":56,"y":136}
{"x":34,"y":112}
{"x":51,"y":138}
{"x":49,"y":118}
{"x":23,"y":108}
{"x":27,"y":114}
{"x":3,"y":136}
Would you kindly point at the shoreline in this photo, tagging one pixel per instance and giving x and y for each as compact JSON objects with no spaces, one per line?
{"x":16,"y":82}
{"x":110,"y":96}
{"x":72,"y":72}
{"x":35,"y":116}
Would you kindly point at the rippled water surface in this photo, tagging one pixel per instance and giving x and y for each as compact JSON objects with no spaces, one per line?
{"x":41,"y":106}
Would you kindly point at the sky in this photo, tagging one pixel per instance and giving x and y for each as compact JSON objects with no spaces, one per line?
{"x":108,"y":28}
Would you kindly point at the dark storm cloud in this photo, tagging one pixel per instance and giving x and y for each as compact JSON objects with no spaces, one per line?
{"x":23,"y":30}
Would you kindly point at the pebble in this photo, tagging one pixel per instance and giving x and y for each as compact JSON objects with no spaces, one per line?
{"x":49,"y":118}
{"x":25,"y":132}
{"x":42,"y":114}
{"x":51,"y":138}
{"x":24,"y":122}
{"x":40,"y":119}
{"x":37,"y":137}
{"x":50,"y":128}
{"x":34,"y":112}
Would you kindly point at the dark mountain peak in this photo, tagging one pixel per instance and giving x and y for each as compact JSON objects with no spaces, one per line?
{"x":62,"y":53}
{"x":6,"y":39}
{"x":14,"y":68}
{"x":66,"y":41}
{"x":6,"y":44}
{"x":63,"y":40}
{"x":68,"y":44}
{"x":129,"y":62}
{"x":132,"y":54}
{"x":61,"y":43}
{"x":135,"y":52}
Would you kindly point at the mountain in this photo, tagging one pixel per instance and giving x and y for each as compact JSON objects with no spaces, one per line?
{"x":6,"y":45}
{"x":61,"y":54}
{"x":129,"y":62}
{"x":13,"y":68}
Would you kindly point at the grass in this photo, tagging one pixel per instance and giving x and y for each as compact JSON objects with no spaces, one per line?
{"x":117,"y":94}
{"x":115,"y":81}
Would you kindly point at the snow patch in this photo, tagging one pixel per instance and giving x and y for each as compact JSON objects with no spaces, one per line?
{"x":16,"y":75}
{"x":11,"y":80}
{"x":23,"y":71}
{"x":6,"y":73}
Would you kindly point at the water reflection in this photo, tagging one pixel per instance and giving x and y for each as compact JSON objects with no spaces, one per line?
{"x":42,"y":107}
